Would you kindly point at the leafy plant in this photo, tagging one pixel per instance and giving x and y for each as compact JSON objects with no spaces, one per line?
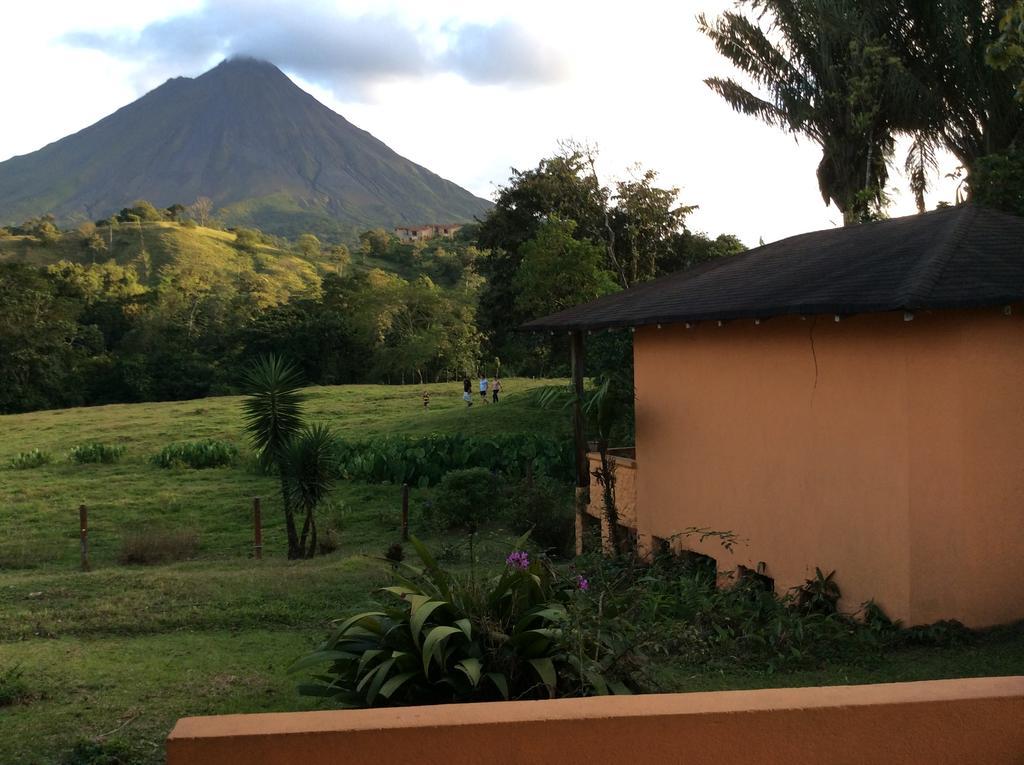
{"x":443,"y":638}
{"x":819,"y":595}
{"x":424,"y":461}
{"x":31,"y":459}
{"x":106,"y":454}
{"x":198,"y":455}
{"x":543,"y":507}
{"x":465,"y":498}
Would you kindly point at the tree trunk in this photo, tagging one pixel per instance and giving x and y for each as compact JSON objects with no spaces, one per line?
{"x":289,"y":523}
{"x":607,"y":481}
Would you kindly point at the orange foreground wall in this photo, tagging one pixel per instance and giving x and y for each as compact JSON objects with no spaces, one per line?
{"x":891,"y":451}
{"x":944,"y":721}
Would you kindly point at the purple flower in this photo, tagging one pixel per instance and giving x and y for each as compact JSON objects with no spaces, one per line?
{"x":518,"y":559}
{"x":582,"y":582}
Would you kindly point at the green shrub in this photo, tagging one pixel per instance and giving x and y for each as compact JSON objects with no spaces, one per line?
{"x":106,"y":454}
{"x":154,"y":545}
{"x":28,"y":460}
{"x":197,"y":454}
{"x":445,"y":638}
{"x":466,"y":498}
{"x":13,"y":688}
{"x":544,"y":508}
{"x":423,"y":461}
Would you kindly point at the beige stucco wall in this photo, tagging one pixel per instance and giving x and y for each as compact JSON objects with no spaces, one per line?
{"x":891,"y":451}
{"x":928,"y":723}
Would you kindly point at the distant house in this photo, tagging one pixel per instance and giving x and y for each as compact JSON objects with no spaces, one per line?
{"x":851,"y":399}
{"x":411,"y":234}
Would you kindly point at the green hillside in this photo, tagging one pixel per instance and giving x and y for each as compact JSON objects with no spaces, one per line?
{"x":151,"y":246}
{"x":264,"y":151}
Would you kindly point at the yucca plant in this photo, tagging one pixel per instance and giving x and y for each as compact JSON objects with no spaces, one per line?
{"x":272,"y":411}
{"x":308,"y":467}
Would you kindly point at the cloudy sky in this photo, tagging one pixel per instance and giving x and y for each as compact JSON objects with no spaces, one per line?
{"x":468,"y":89}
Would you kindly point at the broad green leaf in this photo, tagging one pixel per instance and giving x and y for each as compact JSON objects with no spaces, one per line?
{"x":420,"y":614}
{"x":433,"y":643}
{"x":378,"y":680}
{"x":500,"y":682}
{"x":395,"y":683}
{"x":472,"y":668}
{"x":345,"y":625}
{"x":545,"y":669}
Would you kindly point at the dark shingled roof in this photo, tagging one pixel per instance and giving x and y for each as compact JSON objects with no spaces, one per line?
{"x":958,"y":257}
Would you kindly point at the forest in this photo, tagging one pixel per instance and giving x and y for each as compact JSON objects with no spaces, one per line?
{"x":164,"y":304}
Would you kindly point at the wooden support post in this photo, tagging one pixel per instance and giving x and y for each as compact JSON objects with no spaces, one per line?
{"x":83,"y":531}
{"x":405,"y":512}
{"x":257,"y":529}
{"x":579,"y":439}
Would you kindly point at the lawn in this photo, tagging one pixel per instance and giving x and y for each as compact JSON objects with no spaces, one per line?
{"x":119,"y":653}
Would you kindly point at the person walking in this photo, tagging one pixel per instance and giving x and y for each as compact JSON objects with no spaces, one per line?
{"x":466,"y":395}
{"x":483,"y":388}
{"x":495,"y":390}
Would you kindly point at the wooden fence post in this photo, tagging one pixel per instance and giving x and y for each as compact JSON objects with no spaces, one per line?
{"x":83,"y":531}
{"x":257,"y":529}
{"x":405,"y":512}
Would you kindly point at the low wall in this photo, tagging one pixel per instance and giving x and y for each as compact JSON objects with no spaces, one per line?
{"x":943,"y":721}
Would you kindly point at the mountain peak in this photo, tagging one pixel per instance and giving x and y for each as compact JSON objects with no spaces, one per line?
{"x":267,"y":153}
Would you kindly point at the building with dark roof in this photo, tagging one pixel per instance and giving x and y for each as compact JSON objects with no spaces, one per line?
{"x":850,"y":399}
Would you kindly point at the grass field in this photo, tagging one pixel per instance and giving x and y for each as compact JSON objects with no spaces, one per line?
{"x":119,"y":653}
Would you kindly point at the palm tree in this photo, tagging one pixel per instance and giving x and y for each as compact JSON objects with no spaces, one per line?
{"x":308,"y":466}
{"x":821,"y":69}
{"x":972,"y":109}
{"x":273,"y":417}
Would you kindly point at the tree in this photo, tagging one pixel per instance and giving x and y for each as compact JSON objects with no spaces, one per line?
{"x":247,"y":240}
{"x":41,"y":342}
{"x":375,"y":243}
{"x":174,"y":212}
{"x":341,"y":257}
{"x":558,"y":271}
{"x":141,"y":210}
{"x":1007,"y":52}
{"x":272,"y":413}
{"x":309,"y":246}
{"x":965,"y":106}
{"x":998,"y":181}
{"x":202,"y":209}
{"x":645,"y":220}
{"x":821,"y":69}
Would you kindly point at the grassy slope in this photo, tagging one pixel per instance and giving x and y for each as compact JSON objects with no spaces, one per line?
{"x":131,"y":649}
{"x":165,"y":241}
